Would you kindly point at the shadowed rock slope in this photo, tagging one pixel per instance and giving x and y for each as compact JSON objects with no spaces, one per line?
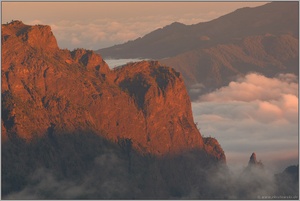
{"x":48,"y":91}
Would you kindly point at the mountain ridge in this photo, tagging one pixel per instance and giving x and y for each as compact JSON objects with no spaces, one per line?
{"x":262,"y":39}
{"x":180,"y":38}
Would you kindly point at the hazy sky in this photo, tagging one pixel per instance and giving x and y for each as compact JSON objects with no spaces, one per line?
{"x":94,"y":25}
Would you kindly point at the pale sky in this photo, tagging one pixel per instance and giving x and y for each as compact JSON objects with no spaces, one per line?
{"x":95,"y":25}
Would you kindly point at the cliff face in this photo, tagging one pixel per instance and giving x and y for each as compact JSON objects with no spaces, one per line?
{"x":46,"y":89}
{"x":160,"y":96}
{"x":42,"y":84}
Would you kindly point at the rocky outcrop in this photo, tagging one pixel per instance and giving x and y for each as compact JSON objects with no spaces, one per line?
{"x":38,"y":37}
{"x":48,"y":90}
{"x":253,"y":162}
{"x":212,"y":147}
{"x":160,"y":95}
{"x":90,"y":60}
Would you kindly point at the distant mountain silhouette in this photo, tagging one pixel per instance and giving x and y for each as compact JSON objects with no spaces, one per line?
{"x":263,"y":39}
{"x":276,"y":18}
{"x":288,"y":181}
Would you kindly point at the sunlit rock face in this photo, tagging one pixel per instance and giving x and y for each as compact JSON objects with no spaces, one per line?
{"x":45,"y":88}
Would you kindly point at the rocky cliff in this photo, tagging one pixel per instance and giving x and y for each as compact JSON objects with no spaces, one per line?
{"x":49,"y":91}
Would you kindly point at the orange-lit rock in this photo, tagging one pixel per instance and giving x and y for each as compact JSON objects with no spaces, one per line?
{"x":43,"y":86}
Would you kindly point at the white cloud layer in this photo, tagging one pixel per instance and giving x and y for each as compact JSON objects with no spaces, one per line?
{"x":100,"y":33}
{"x":109,"y":31}
{"x":253,"y":114}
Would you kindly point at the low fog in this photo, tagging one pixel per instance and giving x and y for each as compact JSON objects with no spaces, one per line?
{"x":253,"y":114}
{"x":85,"y":166}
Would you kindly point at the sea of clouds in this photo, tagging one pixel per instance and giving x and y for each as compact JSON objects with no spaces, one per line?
{"x":253,"y":114}
{"x":105,"y":32}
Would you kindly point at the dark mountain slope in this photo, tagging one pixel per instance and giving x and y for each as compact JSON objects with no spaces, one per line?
{"x":216,"y":66}
{"x":209,"y":55}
